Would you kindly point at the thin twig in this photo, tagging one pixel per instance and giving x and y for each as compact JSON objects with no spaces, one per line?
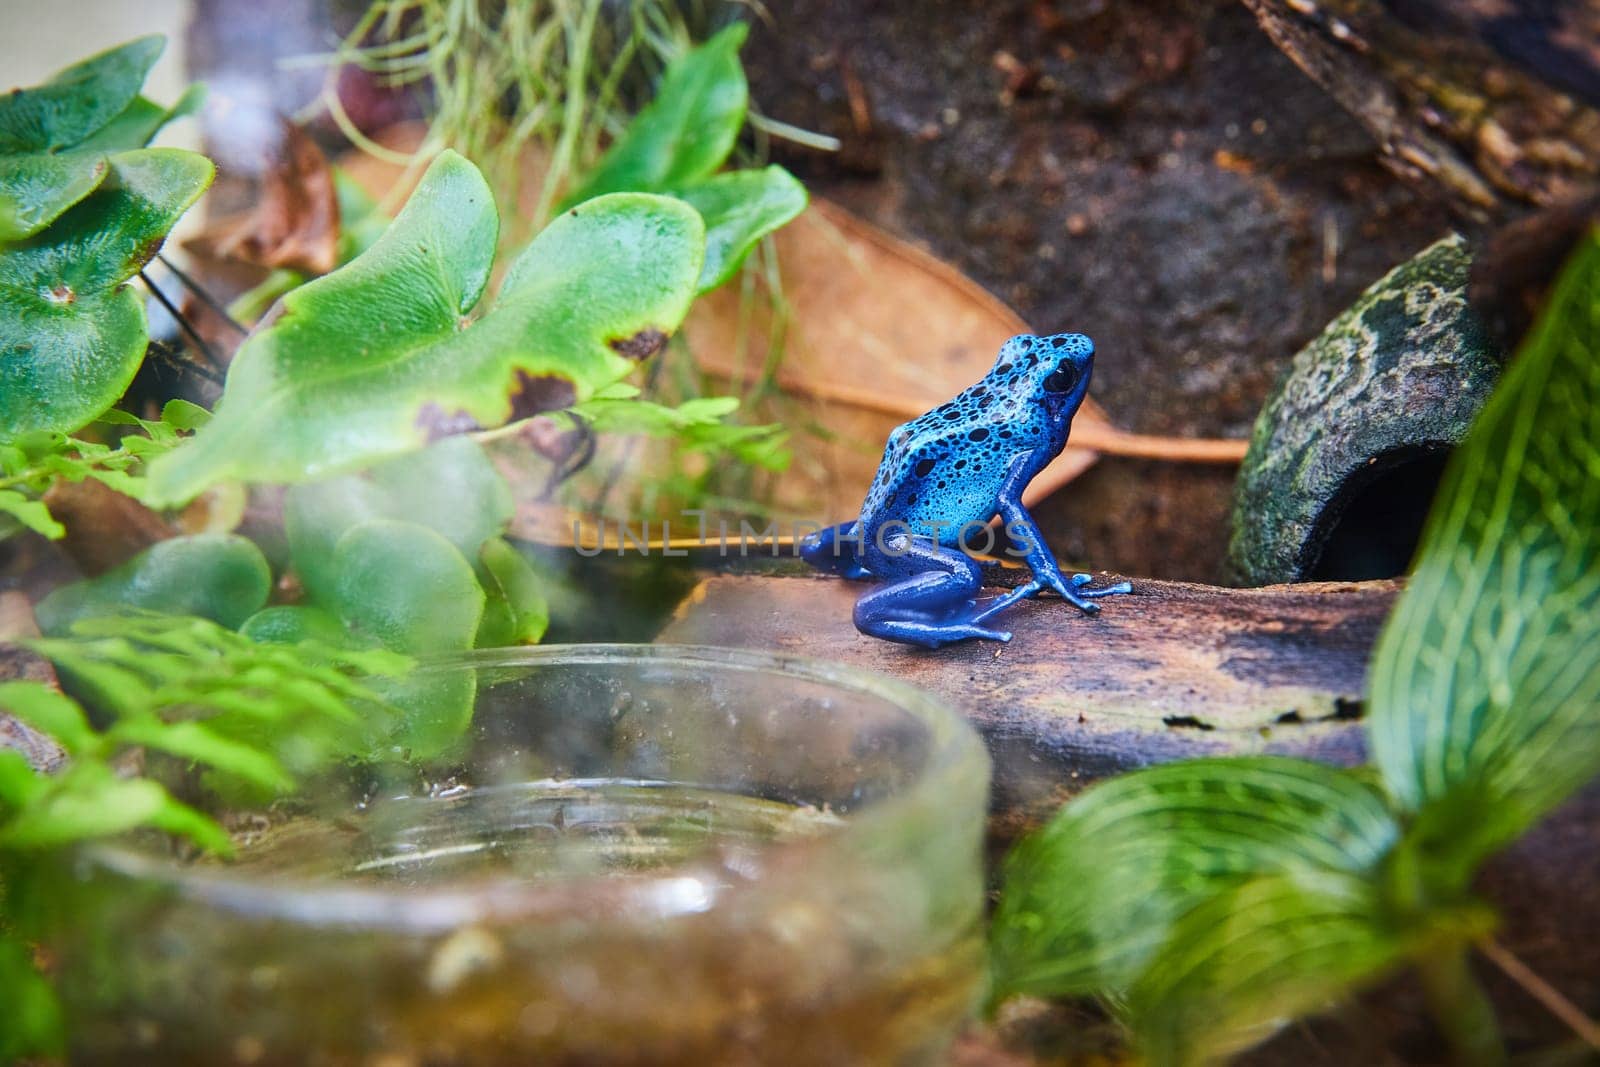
{"x":205,"y":298}
{"x":1546,"y":994}
{"x":189,"y":331}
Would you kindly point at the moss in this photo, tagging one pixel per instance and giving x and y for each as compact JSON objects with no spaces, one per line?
{"x":1397,"y":376}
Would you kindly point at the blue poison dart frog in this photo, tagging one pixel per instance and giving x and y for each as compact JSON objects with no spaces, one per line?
{"x":944,"y":476}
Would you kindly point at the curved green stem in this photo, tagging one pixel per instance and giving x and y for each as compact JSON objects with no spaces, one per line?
{"x":1461,"y":1008}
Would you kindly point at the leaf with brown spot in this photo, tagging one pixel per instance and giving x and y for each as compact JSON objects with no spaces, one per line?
{"x":382,"y":355}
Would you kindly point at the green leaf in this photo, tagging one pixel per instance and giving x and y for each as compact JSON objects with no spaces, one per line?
{"x":451,"y":488}
{"x":51,"y":711}
{"x":377,"y":358}
{"x":290,"y":624}
{"x":1485,"y":691}
{"x":687,"y":131}
{"x":1088,"y":902}
{"x":515,"y":611}
{"x":222,"y":577}
{"x":740,"y":208}
{"x":141,"y":120}
{"x":88,"y":800}
{"x":1251,"y":958}
{"x":30,"y":513}
{"x":407,"y":586}
{"x":71,"y":333}
{"x":33,"y":1015}
{"x":35,"y":189}
{"x":696,"y":425}
{"x":198,"y":743}
{"x":410,"y":588}
{"x":78,"y":100}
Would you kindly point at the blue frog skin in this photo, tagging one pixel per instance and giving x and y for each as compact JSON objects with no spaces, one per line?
{"x":944,"y":476}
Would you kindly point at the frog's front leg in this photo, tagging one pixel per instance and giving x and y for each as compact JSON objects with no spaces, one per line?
{"x":928,"y":600}
{"x":835,"y":550}
{"x":1046,"y":572}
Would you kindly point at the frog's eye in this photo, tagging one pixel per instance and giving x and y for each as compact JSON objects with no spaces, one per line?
{"x":1062,"y":379}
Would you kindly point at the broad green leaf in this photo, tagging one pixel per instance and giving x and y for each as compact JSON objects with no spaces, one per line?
{"x":1092,"y":898}
{"x":290,"y":624}
{"x":33,"y":1015}
{"x":35,"y":189}
{"x":740,"y":208}
{"x":515,"y":611}
{"x":450,"y":487}
{"x":221,"y":577}
{"x":51,"y":711}
{"x":141,"y":120}
{"x":407,"y":586}
{"x":1254,"y":956}
{"x":687,"y":131}
{"x":72,"y":334}
{"x":410,"y":588}
{"x":77,"y":101}
{"x":378,"y":358}
{"x":1485,"y":692}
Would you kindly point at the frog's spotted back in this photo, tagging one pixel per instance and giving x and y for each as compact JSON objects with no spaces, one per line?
{"x":944,"y":476}
{"x":945,"y":468}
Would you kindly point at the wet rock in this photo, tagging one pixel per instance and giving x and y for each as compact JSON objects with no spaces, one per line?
{"x":1348,"y":450}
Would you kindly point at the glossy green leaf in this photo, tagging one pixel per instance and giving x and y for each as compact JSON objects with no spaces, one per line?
{"x":450,"y":487}
{"x":77,"y":101}
{"x":71,"y":333}
{"x":51,"y":711}
{"x":413,"y":591}
{"x":1089,"y":901}
{"x":1254,"y":956}
{"x":378,"y":358}
{"x":515,"y":610}
{"x":35,"y":189}
{"x":687,"y":131}
{"x":138,"y":123}
{"x":740,"y":208}
{"x":1485,"y":692}
{"x":290,"y":624}
{"x":221,"y":577}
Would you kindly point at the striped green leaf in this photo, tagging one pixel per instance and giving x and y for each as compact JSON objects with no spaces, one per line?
{"x":1485,"y":702}
{"x":1100,"y":892}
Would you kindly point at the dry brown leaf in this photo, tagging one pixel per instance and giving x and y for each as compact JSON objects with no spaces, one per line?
{"x":295,"y":223}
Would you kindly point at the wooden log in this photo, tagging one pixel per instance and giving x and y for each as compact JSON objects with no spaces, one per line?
{"x":1172,"y":670}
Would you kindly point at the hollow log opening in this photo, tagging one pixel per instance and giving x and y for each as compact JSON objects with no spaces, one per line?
{"x":1371,"y":527}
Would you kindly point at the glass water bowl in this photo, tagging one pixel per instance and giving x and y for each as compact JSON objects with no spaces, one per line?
{"x":644,"y":855}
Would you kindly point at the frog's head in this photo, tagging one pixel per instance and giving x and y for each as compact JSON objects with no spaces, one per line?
{"x":1054,"y":370}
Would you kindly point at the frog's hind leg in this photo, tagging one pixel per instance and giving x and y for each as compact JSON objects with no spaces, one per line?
{"x":835,"y":550}
{"x":932,"y":602}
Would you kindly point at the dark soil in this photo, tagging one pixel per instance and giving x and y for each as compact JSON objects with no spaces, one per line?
{"x":1152,"y":172}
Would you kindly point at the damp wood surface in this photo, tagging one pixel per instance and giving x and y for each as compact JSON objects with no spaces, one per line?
{"x":1172,"y":670}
